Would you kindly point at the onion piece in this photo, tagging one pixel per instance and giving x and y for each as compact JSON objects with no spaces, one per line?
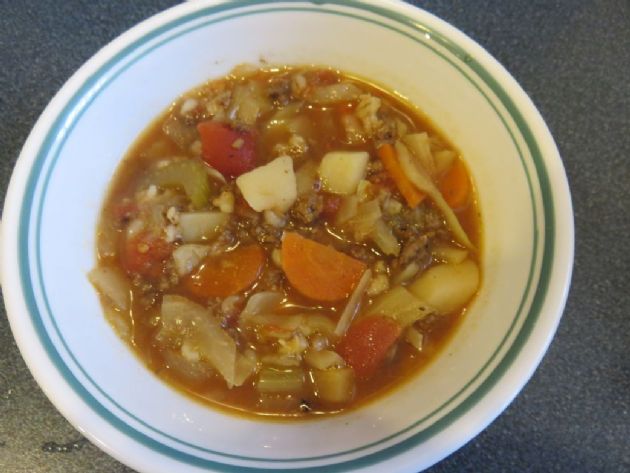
{"x":352,"y":307}
{"x":424,"y":183}
{"x":262,"y":302}
{"x":112,"y":284}
{"x":328,"y":94}
{"x":384,"y":238}
{"x":414,"y":337}
{"x":401,"y":305}
{"x":420,"y":146}
{"x":368,"y":213}
{"x":188,"y":257}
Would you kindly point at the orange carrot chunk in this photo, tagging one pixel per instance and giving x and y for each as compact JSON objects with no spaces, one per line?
{"x":455,"y":185}
{"x":387,"y":155}
{"x":319,"y":271}
{"x":366,"y":343}
{"x":227,"y":274}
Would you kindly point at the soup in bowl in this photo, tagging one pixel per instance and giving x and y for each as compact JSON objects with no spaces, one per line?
{"x":345,"y":352}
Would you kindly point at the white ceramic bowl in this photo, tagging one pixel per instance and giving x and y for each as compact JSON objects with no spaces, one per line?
{"x":65,"y":166}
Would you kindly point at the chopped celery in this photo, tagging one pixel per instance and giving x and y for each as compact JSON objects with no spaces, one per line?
{"x":188,"y":174}
{"x":275,"y":380}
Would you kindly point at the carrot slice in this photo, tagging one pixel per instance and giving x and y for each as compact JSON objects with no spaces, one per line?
{"x":455,"y":185}
{"x":319,"y":271}
{"x":366,"y":343}
{"x":387,"y":155}
{"x":227,"y":274}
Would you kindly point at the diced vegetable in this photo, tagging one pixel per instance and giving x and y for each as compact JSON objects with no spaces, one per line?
{"x":305,"y":178}
{"x":113,"y":284}
{"x":184,"y":368}
{"x":449,"y":253}
{"x":249,"y":101}
{"x":278,"y":359}
{"x":228,"y":273}
{"x":367,"y":112}
{"x":384,"y":238}
{"x":261,"y":303}
{"x":401,"y":305}
{"x":276,"y":380}
{"x":176,"y":129}
{"x":246,"y":365}
{"x":319,"y":271}
{"x":185,"y":320}
{"x":447,"y":287}
{"x":231,"y":152}
{"x":354,"y":303}
{"x":378,"y":285}
{"x":365,"y":345}
{"x":363,"y":223}
{"x":188,"y":257}
{"x":414,"y":337}
{"x":145,"y":254}
{"x":293,"y":346}
{"x":420,"y":146}
{"x":336,"y":385}
{"x":352,"y":127}
{"x":270,"y":187}
{"x":225,"y":202}
{"x":412,"y":195}
{"x":443,"y":160}
{"x":289,"y":120}
{"x":341,"y":171}
{"x":455,"y":186}
{"x":329,"y":94}
{"x":308,"y":324}
{"x":200,"y":226}
{"x":347,"y":210}
{"x":407,"y":273}
{"x":424,"y":183}
{"x":187,"y":174}
{"x":324,"y":359}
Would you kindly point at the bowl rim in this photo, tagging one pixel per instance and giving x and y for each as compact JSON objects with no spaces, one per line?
{"x":557,"y":261}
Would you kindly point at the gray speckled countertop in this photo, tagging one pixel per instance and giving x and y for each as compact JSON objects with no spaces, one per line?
{"x":573,"y":58}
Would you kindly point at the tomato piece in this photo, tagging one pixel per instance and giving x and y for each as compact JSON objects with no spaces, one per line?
{"x":125,"y":210}
{"x":366,"y":343}
{"x":145,"y":254}
{"x":227,"y":274}
{"x":231,"y":152}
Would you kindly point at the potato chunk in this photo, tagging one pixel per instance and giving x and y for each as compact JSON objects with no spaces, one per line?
{"x":341,"y":171}
{"x":447,"y":287}
{"x":270,"y":187}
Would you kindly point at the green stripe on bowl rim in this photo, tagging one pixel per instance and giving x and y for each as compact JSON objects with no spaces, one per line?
{"x":72,"y":112}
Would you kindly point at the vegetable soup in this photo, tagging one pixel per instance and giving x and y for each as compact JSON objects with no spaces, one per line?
{"x":288,"y":242}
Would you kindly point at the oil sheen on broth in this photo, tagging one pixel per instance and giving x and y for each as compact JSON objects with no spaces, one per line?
{"x":288,"y":242}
